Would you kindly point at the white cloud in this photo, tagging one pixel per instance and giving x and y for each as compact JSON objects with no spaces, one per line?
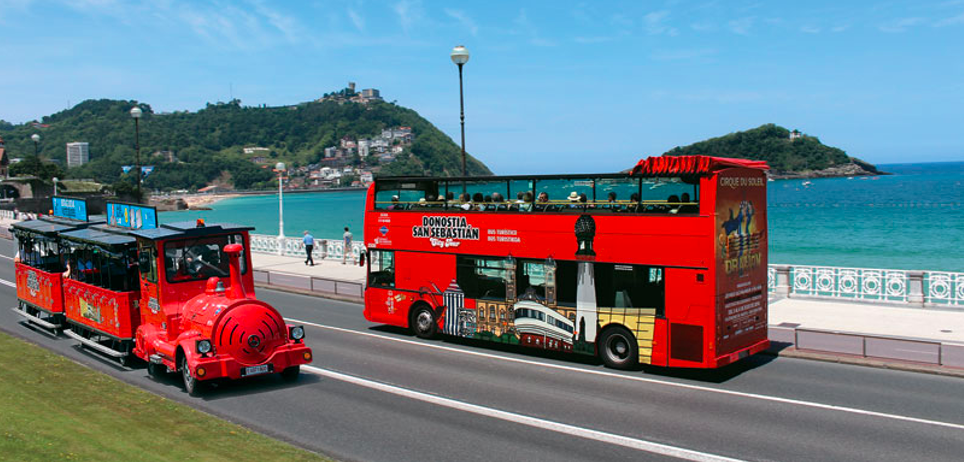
{"x":464,"y":20}
{"x":900,"y":25}
{"x":810,"y":29}
{"x":591,"y":40}
{"x":356,"y":19}
{"x":526,"y":27}
{"x":408,"y":12}
{"x":952,"y":21}
{"x":655,"y":23}
{"x":840,"y":28}
{"x":742,"y":26}
{"x":681,"y":55}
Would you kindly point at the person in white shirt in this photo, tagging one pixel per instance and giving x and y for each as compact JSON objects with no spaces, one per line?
{"x":347,"y":238}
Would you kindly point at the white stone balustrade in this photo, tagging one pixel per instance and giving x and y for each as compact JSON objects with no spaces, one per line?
{"x":328,"y":249}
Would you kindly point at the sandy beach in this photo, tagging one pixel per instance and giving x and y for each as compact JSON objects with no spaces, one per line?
{"x":195,"y":201}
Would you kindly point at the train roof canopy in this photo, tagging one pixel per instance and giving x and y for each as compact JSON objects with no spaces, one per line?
{"x":100,"y":236}
{"x":50,"y":225}
{"x":188,"y":229}
{"x":692,"y":165}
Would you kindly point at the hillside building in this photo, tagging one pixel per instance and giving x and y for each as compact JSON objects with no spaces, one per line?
{"x":78,"y":153}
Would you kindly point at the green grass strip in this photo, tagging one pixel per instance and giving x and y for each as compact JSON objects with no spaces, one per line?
{"x":54,"y":409}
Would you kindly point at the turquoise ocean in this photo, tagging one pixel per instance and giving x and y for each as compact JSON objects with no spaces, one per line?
{"x":913,"y":219}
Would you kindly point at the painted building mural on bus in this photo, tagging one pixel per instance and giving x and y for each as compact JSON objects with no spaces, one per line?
{"x":535,"y":318}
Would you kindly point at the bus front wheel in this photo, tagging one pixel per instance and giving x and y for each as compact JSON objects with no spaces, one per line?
{"x":423,"y":321}
{"x":618,"y":348}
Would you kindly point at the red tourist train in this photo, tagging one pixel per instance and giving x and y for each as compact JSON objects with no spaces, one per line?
{"x":662,"y":265}
{"x":178,"y":296}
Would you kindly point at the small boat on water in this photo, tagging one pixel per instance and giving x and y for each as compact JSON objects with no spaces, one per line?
{"x":807,"y":183}
{"x":850,"y":177}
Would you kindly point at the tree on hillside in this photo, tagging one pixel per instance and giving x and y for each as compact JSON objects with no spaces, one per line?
{"x":35,"y":166}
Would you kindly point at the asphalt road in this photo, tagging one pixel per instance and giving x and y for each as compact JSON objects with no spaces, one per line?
{"x":377,"y":393}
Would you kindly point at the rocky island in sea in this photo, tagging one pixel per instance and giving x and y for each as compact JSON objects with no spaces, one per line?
{"x":791,"y":154}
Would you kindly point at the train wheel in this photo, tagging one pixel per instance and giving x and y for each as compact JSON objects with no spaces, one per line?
{"x":618,"y":349}
{"x":423,"y":322}
{"x":155,"y":370}
{"x":291,"y":374}
{"x":191,"y":384}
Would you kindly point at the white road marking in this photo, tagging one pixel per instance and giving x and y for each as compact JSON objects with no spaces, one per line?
{"x":6,"y":257}
{"x":8,"y":283}
{"x":572,"y":430}
{"x":775,"y":399}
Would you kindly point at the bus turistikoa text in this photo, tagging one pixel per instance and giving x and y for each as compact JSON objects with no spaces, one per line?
{"x":664,"y":265}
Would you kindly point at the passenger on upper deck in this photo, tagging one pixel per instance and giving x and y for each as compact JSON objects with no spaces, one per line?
{"x":526,"y":202}
{"x":673,"y":203}
{"x":543,"y":201}
{"x":395,"y":205}
{"x":498,"y":202}
{"x":478,"y":201}
{"x":687,"y":207}
{"x":634,"y":205}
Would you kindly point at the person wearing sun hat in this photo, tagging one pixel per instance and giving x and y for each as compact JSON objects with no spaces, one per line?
{"x":574,"y":200}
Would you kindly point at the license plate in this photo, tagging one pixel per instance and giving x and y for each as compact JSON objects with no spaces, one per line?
{"x":255,"y":370}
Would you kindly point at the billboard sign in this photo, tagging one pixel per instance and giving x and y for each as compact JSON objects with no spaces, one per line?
{"x":131,"y":216}
{"x":74,"y":209}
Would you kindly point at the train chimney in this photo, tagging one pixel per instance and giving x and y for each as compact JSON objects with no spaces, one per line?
{"x":234,"y":253}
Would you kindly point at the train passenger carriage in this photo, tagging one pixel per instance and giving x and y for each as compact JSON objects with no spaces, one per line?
{"x":40,"y":263}
{"x":101,"y":291}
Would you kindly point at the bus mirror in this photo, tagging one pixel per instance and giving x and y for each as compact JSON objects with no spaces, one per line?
{"x":144,"y":262}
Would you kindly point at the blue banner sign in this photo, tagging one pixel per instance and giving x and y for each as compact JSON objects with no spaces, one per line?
{"x":75,"y":209}
{"x":131,"y":216}
{"x":146,"y":170}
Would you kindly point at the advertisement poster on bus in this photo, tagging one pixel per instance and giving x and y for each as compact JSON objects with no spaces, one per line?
{"x":131,"y":216}
{"x":74,"y":209}
{"x":741,"y":249}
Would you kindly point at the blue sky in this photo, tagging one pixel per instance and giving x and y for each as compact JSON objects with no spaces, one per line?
{"x":550,"y":87}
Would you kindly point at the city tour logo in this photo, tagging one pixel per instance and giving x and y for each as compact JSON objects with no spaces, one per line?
{"x":444,"y":231}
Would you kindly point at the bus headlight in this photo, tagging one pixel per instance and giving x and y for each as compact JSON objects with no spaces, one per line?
{"x":297,"y":333}
{"x":204,"y":346}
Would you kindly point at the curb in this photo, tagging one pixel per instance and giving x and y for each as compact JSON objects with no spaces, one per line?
{"x":342,"y":298}
{"x":793,"y":352}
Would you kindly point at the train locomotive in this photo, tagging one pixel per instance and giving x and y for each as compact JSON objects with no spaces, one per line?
{"x":178,"y":296}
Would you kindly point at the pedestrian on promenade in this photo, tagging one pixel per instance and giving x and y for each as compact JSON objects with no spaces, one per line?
{"x":347,"y":237}
{"x":309,"y":241}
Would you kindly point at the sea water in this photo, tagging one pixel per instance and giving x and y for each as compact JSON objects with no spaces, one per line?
{"x":913,"y":219}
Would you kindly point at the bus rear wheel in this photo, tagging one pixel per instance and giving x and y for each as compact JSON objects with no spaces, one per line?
{"x":618,"y":349}
{"x":423,"y":322}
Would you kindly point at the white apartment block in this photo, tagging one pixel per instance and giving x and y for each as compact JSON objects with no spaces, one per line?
{"x":78,"y":154}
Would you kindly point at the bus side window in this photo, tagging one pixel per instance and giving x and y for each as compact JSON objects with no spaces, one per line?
{"x":567,"y":273}
{"x":381,"y":268}
{"x":629,"y":286}
{"x":483,"y":278}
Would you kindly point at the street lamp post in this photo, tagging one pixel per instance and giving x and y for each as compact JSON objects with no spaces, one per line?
{"x":280,"y":168}
{"x":136,"y":114}
{"x":36,"y":144}
{"x":460,"y":56}
{"x":55,"y":185}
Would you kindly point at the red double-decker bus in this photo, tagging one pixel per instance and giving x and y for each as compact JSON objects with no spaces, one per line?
{"x":663,"y":265}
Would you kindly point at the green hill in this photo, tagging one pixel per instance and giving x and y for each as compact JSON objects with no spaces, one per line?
{"x":208,"y":144}
{"x":804,"y":156}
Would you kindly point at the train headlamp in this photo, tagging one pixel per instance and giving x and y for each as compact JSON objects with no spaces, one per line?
{"x":204,"y":346}
{"x":297,"y":333}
